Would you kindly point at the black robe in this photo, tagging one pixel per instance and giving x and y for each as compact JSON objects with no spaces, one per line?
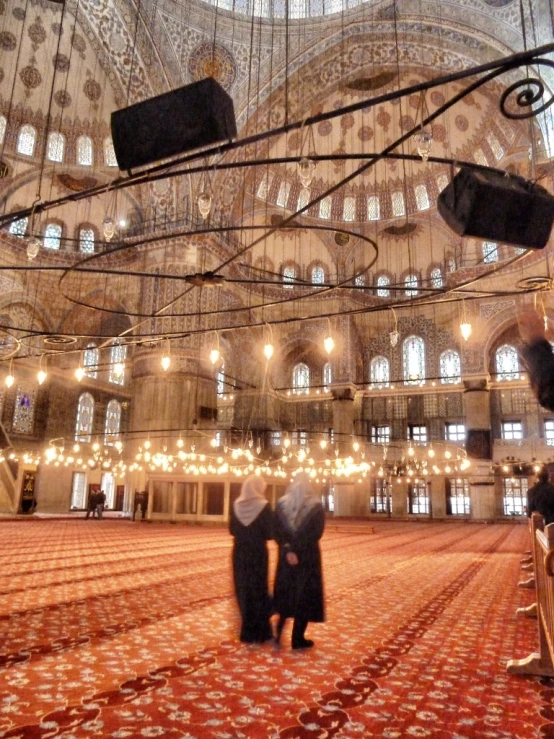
{"x":539,"y":359}
{"x":250,"y":565}
{"x":299,"y":588}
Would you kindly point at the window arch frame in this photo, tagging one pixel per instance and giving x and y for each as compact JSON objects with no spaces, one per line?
{"x":55,"y":143}
{"x":321,"y":271}
{"x":379,"y":371}
{"x":453,"y":378}
{"x":84,"y":159}
{"x":383,"y":285}
{"x":113,"y":414}
{"x":410,"y":344}
{"x":300,"y":379}
{"x":26,"y":130}
{"x":49,"y":238}
{"x":507,"y":375}
{"x":80,"y":229}
{"x":84,"y":427}
{"x":91,"y":358}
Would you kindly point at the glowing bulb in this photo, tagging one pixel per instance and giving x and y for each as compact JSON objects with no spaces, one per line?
{"x":9,"y":380}
{"x":180,"y":443}
{"x":108,"y":227}
{"x":424,"y":141}
{"x":118,"y":369}
{"x":79,"y":373}
{"x":411,"y":451}
{"x":33,"y":248}
{"x":41,"y":376}
{"x":204,"y":202}
{"x":166,"y":361}
{"x":268,"y":351}
{"x":329,"y":344}
{"x":214,"y":356}
{"x":355,"y":446}
{"x":465,"y":330}
{"x":286,"y":443}
{"x":147,"y":444}
{"x":394,"y":336}
{"x":323,"y":443}
{"x":431,"y":453}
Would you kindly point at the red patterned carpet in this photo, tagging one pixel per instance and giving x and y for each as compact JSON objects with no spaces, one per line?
{"x":120,"y":629}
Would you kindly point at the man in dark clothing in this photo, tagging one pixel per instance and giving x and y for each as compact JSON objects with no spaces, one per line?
{"x":91,"y":506}
{"x":100,"y":502}
{"x":541,"y":497}
{"x":538,"y":356}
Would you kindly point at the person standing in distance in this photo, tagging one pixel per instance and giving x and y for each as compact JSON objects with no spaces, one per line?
{"x":540,"y":497}
{"x":251,"y":525}
{"x":299,"y":524}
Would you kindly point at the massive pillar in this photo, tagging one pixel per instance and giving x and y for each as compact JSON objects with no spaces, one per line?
{"x":479,"y":448}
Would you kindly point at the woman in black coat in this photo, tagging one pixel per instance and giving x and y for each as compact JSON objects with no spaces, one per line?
{"x":251,"y":525}
{"x":299,"y":524}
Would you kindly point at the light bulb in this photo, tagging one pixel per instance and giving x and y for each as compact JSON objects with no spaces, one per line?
{"x":411,"y":451}
{"x":424,"y":141}
{"x":33,"y":248}
{"x":108,"y":227}
{"x":356,"y":446}
{"x":465,"y":329}
{"x":323,"y":443}
{"x":118,"y":369}
{"x":431,"y":453}
{"x":41,"y":376}
{"x":329,"y":344}
{"x":9,"y":380}
{"x":214,"y":355}
{"x":394,"y":336}
{"x":79,"y":373}
{"x":166,"y":361}
{"x":306,"y":169}
{"x":147,"y":444}
{"x":268,"y":351}
{"x":204,"y":202}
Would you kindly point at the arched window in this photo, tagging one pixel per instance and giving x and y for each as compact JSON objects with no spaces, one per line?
{"x":289,"y":274}
{"x":118,"y":354}
{"x":327,"y":375}
{"x":360,"y":280}
{"x":450,"y":265}
{"x":3,"y":125}
{"x":109,"y":153}
{"x":507,"y":363}
{"x":19,"y":228}
{"x":26,"y":140}
{"x":413,"y":360}
{"x":490,"y":252}
{"x":318,"y":275}
{"x":373,"y":208}
{"x":86,"y":240}
{"x":325,"y":208}
{"x":303,"y":198}
{"x":300,"y":378}
{"x":220,"y":379}
{"x":113,"y":422}
{"x":411,"y":284}
{"x":382,"y":286}
{"x":450,"y":367}
{"x":56,"y":146}
{"x":422,"y":197}
{"x":84,"y":151}
{"x":436,"y":278}
{"x":85,"y":418}
{"x":24,"y":410}
{"x":90,"y":361}
{"x":398,"y":203}
{"x":349,"y":209}
{"x":379,"y":372}
{"x":52,"y":236}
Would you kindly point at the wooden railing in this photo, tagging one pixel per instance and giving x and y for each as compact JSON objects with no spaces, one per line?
{"x":542,"y":543}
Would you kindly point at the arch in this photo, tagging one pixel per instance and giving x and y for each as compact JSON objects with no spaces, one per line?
{"x":26,"y":140}
{"x":318,"y":275}
{"x":113,"y":422}
{"x":300,"y":378}
{"x":413,"y":360}
{"x":110,"y":159}
{"x":450,"y":367}
{"x":85,"y":151}
{"x":506,"y":362}
{"x":85,"y":418}
{"x":55,"y":148}
{"x":87,"y":239}
{"x":52,"y":236}
{"x":379,"y":372}
{"x":90,"y":360}
{"x":118,"y":354}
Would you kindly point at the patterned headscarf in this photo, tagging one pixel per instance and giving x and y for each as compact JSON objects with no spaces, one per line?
{"x":251,"y":500}
{"x":298,"y":501}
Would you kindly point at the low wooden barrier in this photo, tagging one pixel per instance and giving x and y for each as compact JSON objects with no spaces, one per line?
{"x":541,"y":662}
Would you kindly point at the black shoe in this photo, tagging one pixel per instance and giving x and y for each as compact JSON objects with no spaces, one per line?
{"x":302,"y":644}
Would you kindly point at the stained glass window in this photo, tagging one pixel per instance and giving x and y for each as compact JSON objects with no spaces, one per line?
{"x":450,"y":367}
{"x":52,"y":236}
{"x":422,"y":197}
{"x":289,"y":274}
{"x":86,"y":240}
{"x":458,"y":497}
{"x":3,"y":124}
{"x":442,"y":182}
{"x":436,"y":278}
{"x":78,"y":490}
{"x":220,"y":379}
{"x":450,"y":265}
{"x":373,"y":208}
{"x":490,"y":252}
{"x":24,"y":410}
{"x":303,"y":198}
{"x":413,"y":360}
{"x":26,"y":140}
{"x":398,"y":203}
{"x":85,"y":418}
{"x":300,"y":378}
{"x":283,"y":196}
{"x":515,"y":495}
{"x":318,"y":275}
{"x":56,"y":147}
{"x":113,"y":422}
{"x":411,"y":285}
{"x":360,"y":280}
{"x":349,"y":209}
{"x":109,"y":153}
{"x":90,"y":361}
{"x":507,"y":363}
{"x":84,"y":151}
{"x":264,"y":186}
{"x":379,"y":372}
{"x":327,"y":375}
{"x":325,"y":208}
{"x":19,"y":228}
{"x":118,"y":354}
{"x":383,"y":283}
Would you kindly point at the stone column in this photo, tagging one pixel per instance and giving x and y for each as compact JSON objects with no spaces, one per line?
{"x":343,"y":416}
{"x":479,"y":448}
{"x":399,"y":494}
{"x":437,"y":494}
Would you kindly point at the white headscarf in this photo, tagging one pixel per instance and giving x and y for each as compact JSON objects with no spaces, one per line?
{"x":251,"y":500}
{"x":298,"y":501}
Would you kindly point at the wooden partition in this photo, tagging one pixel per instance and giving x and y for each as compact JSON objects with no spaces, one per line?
{"x":541,"y":662}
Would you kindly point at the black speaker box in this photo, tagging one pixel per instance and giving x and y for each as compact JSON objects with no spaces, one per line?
{"x":495,"y":207}
{"x":196,"y":115}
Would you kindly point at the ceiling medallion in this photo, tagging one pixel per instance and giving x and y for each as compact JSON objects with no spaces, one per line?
{"x":404,"y":230}
{"x":341,"y":239}
{"x":57,"y":340}
{"x":366,"y":84}
{"x":534,"y":283}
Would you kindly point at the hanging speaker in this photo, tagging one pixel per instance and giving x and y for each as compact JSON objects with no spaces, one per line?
{"x":502,"y":208}
{"x":200,"y":114}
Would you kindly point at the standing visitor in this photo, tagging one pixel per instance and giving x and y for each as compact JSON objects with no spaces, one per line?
{"x":100,"y":502}
{"x":299,"y":524}
{"x":91,"y":505}
{"x":540,"y":497}
{"x":251,"y":525}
